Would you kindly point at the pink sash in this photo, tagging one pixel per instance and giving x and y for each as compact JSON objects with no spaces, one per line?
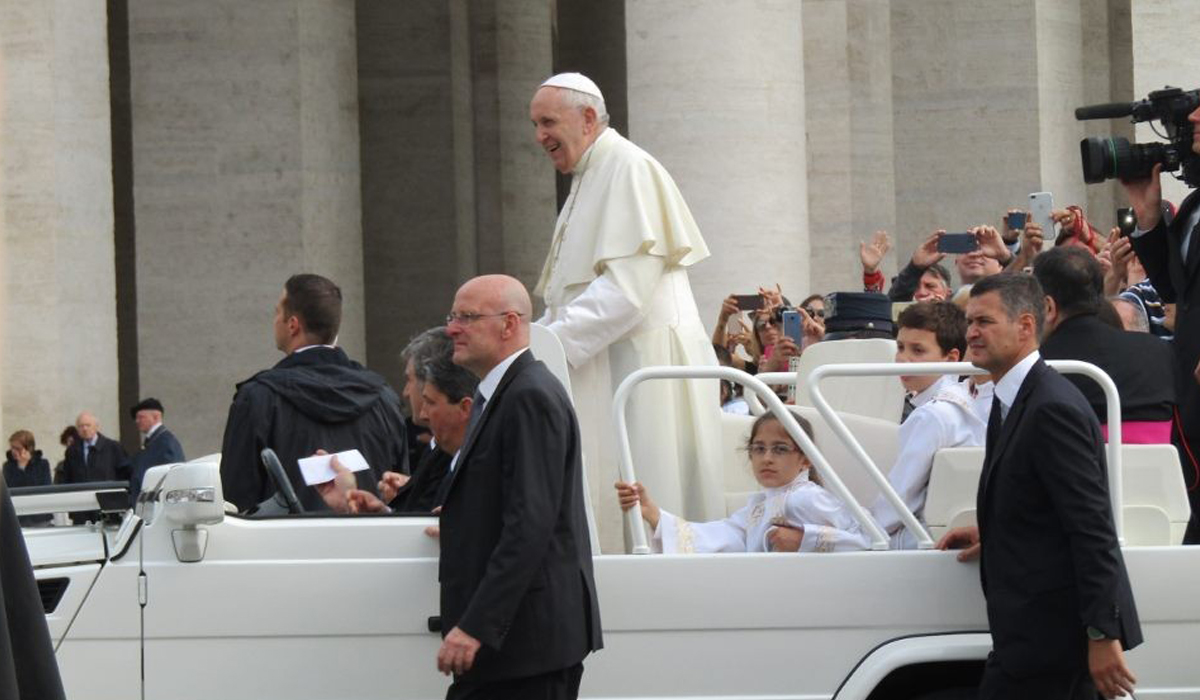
{"x":1143,"y":432}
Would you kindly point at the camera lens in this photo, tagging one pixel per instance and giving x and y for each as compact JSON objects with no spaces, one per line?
{"x":1106,"y":158}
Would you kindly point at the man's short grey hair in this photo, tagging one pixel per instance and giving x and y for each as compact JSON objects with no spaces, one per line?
{"x":426,"y":346}
{"x":1141,"y":322}
{"x":582,"y":100}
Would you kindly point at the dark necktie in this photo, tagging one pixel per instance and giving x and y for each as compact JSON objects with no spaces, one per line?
{"x":477,"y":404}
{"x":908,"y":407}
{"x":995,"y":421}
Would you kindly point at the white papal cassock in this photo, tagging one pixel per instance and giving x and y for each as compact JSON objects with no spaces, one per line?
{"x":617,"y":295}
{"x":828,"y":526}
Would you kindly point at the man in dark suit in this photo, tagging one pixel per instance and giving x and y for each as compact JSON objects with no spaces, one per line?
{"x":1059,"y":602}
{"x":518,"y":601}
{"x":1140,"y":364}
{"x":159,"y":445}
{"x":1169,"y":249}
{"x":94,"y":457}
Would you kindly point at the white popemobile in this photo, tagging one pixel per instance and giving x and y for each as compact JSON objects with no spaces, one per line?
{"x":185,"y":600}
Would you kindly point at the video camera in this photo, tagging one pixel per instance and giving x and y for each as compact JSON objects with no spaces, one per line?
{"x":1106,"y":158}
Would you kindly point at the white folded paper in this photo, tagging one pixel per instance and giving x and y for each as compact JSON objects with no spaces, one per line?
{"x":318,"y":469}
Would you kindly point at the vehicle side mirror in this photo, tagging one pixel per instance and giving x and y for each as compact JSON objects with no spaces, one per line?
{"x":191,"y":496}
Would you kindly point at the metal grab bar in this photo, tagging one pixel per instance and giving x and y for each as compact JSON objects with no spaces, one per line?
{"x":633,"y":517}
{"x":1087,"y":369}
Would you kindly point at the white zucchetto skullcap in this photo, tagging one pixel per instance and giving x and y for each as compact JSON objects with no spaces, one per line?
{"x":574,"y":81}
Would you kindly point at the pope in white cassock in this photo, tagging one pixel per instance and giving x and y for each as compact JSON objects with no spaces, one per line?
{"x":616,"y":291}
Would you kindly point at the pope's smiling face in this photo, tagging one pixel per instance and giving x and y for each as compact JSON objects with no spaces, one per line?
{"x":563,"y":130}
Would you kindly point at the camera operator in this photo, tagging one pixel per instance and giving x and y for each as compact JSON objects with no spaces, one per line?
{"x":1170,"y":252}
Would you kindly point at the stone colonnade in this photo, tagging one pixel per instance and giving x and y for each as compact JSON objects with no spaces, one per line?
{"x":167,"y":164}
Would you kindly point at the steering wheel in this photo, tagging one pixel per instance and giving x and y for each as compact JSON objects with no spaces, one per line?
{"x":283,"y":485}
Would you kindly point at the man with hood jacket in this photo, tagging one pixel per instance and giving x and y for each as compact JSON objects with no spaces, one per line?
{"x":315,"y":398}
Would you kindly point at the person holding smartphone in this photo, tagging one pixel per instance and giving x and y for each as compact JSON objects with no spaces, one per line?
{"x":1169,"y":249}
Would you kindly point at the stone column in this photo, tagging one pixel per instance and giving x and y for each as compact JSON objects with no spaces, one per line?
{"x":1163,"y":54}
{"x":453,"y":183}
{"x":246,"y":171}
{"x":56,"y":215}
{"x":848,"y":100}
{"x":729,"y":125}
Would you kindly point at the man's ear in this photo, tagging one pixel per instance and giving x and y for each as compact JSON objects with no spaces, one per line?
{"x":590,"y":120}
{"x":954,"y":355}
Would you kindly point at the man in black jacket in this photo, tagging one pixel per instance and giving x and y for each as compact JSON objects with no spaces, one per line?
{"x":1169,"y":249}
{"x":94,"y":457}
{"x":1140,"y":364}
{"x":315,"y":398}
{"x":159,"y":445}
{"x":1059,"y":603}
{"x":518,"y":600}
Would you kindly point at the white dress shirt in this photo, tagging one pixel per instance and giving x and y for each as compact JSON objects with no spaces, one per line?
{"x":487,"y":387}
{"x":944,"y":415}
{"x":1010,"y":383}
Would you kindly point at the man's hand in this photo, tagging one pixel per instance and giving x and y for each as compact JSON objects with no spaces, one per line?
{"x":871,"y":254}
{"x":334,"y":492}
{"x":364,"y":502}
{"x":992,"y":245}
{"x":457,"y":654}
{"x":1031,"y":245}
{"x":1106,"y":663}
{"x":964,"y":538}
{"x":434,"y":531}
{"x":1145,"y":196}
{"x":927,"y":253}
{"x":784,"y":537}
{"x":1011,"y":235}
{"x":390,"y":485}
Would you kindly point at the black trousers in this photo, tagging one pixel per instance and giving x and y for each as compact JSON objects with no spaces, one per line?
{"x":562,"y":684}
{"x":998,"y":685}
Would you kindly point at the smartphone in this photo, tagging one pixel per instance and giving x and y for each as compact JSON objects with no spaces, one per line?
{"x":957,"y":243}
{"x":1015,"y":220}
{"x":792,"y":327}
{"x":1126,"y":221}
{"x":749,"y":302}
{"x":1040,"y":206}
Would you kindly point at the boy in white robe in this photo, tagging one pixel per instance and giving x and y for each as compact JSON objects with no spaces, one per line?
{"x":792,"y":513}
{"x":944,"y":413}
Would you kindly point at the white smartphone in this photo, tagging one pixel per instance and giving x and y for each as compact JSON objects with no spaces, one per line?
{"x":1040,"y":206}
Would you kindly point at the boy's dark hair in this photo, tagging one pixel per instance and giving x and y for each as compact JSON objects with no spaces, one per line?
{"x":943,"y":318}
{"x":317,"y":302}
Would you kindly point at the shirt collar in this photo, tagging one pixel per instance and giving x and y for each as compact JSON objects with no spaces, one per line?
{"x":310,"y":347}
{"x":153,"y":429}
{"x":586,"y":158}
{"x":1008,"y":386}
{"x":925,"y":396}
{"x":487,"y":385}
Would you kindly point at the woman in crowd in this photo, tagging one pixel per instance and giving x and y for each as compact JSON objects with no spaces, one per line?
{"x":25,"y":466}
{"x":793,"y":512}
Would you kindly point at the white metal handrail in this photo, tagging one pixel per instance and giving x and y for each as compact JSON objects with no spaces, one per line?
{"x":1087,"y":369}
{"x":833,"y":482}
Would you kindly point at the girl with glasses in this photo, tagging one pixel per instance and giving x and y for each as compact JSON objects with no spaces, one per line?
{"x":792,"y":512}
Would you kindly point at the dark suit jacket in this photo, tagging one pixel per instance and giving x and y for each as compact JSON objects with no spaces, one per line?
{"x":1051,"y":565}
{"x":161,"y":448}
{"x":516,"y":563}
{"x":1141,"y":365}
{"x":107,"y":462}
{"x":420,"y":494}
{"x":1175,"y":280}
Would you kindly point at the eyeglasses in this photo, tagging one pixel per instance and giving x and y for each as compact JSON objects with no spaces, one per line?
{"x":468,"y":319}
{"x":819,"y":313}
{"x":763,"y":323}
{"x":778,"y":450}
